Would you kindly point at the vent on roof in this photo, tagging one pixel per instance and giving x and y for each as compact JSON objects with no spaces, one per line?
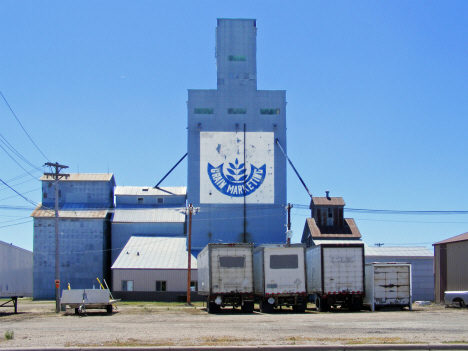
{"x":327,"y":194}
{"x":145,"y":189}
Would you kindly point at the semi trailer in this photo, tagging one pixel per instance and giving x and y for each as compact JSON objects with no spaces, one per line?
{"x":225,"y":276}
{"x":335,"y":274}
{"x":279,"y":277}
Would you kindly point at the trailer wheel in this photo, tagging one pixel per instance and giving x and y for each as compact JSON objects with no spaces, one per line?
{"x":109,"y":309}
{"x":355,"y":305}
{"x":248,"y":307}
{"x":77,"y":311}
{"x":266,"y":307}
{"x":321,"y":304}
{"x":211,"y":307}
{"x":300,"y":308}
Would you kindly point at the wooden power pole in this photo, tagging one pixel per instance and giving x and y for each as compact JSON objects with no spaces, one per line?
{"x":57,"y":176}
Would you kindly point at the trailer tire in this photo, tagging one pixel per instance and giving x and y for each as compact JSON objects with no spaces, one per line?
{"x":248,"y":307}
{"x":211,"y":307}
{"x":301,"y":307}
{"x":109,"y":309}
{"x":266,"y":307}
{"x":77,"y":311}
{"x":321,"y":304}
{"x":355,"y":305}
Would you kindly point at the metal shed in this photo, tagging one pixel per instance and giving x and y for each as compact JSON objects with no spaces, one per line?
{"x":451,"y":260}
{"x":153,"y":269}
{"x":422,"y":266}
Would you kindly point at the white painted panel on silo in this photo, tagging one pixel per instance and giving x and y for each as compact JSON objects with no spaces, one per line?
{"x":225,"y":173}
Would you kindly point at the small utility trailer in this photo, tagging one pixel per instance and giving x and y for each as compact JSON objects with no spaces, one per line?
{"x":86,"y":299}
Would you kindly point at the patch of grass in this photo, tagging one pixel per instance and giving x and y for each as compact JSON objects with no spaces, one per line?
{"x":158,"y":304}
{"x":350,"y":341}
{"x":9,"y":334}
{"x":222,"y":340}
{"x":124,"y":343}
{"x":455,"y":342}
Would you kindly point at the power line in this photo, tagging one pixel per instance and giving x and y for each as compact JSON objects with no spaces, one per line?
{"x":18,"y":162}
{"x":411,"y":212}
{"x":23,"y":127}
{"x":24,"y":197}
{"x":11,"y":225}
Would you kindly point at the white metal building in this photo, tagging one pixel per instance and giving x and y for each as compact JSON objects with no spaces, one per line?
{"x":422,"y":266}
{"x":147,"y":211}
{"x":153,"y":269}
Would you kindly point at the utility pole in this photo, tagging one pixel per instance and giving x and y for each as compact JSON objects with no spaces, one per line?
{"x":189,"y":251}
{"x":288,"y":232}
{"x":57,"y":176}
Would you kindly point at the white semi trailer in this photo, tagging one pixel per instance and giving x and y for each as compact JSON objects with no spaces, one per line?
{"x":279,"y":277}
{"x":225,"y":276}
{"x":335,"y":274}
{"x":16,"y":274}
{"x":388,"y":284}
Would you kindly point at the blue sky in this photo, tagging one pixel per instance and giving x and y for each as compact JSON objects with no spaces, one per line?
{"x":377,"y":97}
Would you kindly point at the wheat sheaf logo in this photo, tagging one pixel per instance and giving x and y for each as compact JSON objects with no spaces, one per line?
{"x":238,"y":181}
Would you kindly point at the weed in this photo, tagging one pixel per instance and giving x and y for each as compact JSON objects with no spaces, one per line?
{"x":9,"y":334}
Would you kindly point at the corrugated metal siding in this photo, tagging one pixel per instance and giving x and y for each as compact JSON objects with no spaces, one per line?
{"x":148,"y":216}
{"x":395,"y":251}
{"x":150,"y":191}
{"x":83,"y":254}
{"x":145,"y":279}
{"x":457,"y":266}
{"x":83,"y":177}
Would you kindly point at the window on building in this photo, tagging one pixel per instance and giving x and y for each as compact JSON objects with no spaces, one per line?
{"x":330,"y":216}
{"x":231,"y":261}
{"x":127,"y":285}
{"x":284,"y":261}
{"x":160,"y":285}
{"x":193,"y":286}
{"x":140,"y":200}
{"x":237,"y":58}
{"x":160,"y":200}
{"x":269,"y":111}
{"x":237,"y":111}
{"x":45,"y":196}
{"x":203,"y":111}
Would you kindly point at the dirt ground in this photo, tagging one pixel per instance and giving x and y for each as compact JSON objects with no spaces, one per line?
{"x":152,"y":324}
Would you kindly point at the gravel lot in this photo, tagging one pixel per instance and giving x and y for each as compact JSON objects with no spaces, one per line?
{"x":149,"y":324}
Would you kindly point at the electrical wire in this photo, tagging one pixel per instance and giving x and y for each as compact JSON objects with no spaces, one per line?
{"x":25,"y":192}
{"x":24,"y":197}
{"x":23,"y":127}
{"x":366,"y":210}
{"x":18,"y":162}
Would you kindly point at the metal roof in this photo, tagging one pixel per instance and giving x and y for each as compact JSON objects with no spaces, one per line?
{"x":398,"y":251}
{"x":150,"y":191}
{"x":349,"y":230}
{"x":340,"y":242}
{"x":145,"y":252}
{"x":327,"y":201}
{"x":72,"y":211}
{"x":461,"y":237}
{"x":131,"y":215}
{"x":84,"y":177}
